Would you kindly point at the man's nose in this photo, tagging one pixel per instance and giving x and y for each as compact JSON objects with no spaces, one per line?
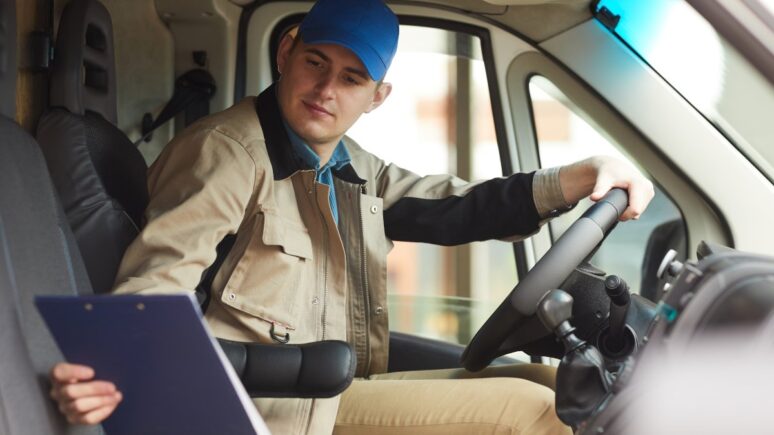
{"x":325,"y":85}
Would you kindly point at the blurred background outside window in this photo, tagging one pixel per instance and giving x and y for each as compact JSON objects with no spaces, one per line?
{"x":438,"y":120}
{"x":566,"y":135}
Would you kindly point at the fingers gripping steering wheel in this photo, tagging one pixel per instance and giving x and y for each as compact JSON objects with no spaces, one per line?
{"x":513,"y":315}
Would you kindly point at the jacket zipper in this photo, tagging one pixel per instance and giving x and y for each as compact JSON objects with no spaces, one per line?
{"x":325,"y":288}
{"x":364,"y":277}
{"x":325,"y":262}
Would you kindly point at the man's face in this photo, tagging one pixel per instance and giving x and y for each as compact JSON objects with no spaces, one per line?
{"x":323,"y":90}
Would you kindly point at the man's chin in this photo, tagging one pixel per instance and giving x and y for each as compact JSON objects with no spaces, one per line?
{"x":315,"y":135}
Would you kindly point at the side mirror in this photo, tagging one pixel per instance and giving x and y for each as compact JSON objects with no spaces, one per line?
{"x":668,"y":235}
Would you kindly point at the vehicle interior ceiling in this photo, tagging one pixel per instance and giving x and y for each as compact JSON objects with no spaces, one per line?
{"x":155,"y":41}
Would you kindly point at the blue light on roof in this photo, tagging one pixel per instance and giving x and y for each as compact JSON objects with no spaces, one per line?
{"x":640,"y":22}
{"x":684,"y":49}
{"x":676,"y":42}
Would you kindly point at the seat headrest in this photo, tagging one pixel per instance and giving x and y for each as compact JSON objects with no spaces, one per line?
{"x":8,"y":58}
{"x":83,"y":73}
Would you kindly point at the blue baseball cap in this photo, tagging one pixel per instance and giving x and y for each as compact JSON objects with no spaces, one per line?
{"x":366,"y":27}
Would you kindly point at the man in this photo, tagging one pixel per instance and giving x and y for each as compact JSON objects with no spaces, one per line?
{"x":313,"y":213}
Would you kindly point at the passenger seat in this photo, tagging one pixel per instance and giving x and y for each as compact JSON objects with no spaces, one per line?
{"x":99,"y":174}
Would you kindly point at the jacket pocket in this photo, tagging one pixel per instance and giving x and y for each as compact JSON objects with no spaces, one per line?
{"x":266,"y":280}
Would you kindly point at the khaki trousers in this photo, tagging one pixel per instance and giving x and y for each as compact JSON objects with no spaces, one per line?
{"x":512,"y":399}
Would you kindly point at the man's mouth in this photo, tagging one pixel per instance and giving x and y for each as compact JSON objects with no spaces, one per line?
{"x":315,"y":109}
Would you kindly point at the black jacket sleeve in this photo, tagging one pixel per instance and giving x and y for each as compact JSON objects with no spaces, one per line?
{"x":495,"y":209}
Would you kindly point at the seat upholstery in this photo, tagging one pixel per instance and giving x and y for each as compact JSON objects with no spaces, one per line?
{"x":95,"y":176}
{"x":38,"y":255}
{"x":99,"y":174}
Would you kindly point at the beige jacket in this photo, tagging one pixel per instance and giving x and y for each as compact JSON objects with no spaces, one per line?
{"x":292,"y":270}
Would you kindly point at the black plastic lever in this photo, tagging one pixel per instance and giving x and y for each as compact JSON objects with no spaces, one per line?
{"x":618,"y":292}
{"x":582,"y":382}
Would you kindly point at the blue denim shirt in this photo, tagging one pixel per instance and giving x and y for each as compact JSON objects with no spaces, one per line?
{"x":338,"y":160}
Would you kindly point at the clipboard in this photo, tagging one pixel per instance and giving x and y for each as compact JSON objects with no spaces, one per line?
{"x":158,"y":351}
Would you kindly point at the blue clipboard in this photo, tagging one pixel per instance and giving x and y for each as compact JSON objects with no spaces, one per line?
{"x":158,"y":351}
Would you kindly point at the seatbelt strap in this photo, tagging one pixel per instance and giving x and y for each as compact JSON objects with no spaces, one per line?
{"x":193,"y":91}
{"x":204,"y":289}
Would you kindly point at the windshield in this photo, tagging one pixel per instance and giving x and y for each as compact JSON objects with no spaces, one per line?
{"x":681,"y":46}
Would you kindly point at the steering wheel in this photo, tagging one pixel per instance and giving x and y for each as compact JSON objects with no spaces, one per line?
{"x":515,"y":317}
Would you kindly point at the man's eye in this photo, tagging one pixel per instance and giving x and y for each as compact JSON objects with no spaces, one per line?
{"x":313,"y":63}
{"x":350,"y":80}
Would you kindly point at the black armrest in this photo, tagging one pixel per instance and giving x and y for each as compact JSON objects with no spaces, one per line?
{"x":319,"y":369}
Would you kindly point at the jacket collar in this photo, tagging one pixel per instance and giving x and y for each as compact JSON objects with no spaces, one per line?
{"x":284,"y":162}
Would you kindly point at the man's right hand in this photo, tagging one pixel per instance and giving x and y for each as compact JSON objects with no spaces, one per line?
{"x":81,"y":399}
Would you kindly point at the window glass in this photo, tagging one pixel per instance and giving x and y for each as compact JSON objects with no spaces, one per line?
{"x":685,"y":49}
{"x":438,"y":119}
{"x":564,"y":135}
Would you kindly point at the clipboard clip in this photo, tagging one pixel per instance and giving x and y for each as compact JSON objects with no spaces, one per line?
{"x":282,"y":339}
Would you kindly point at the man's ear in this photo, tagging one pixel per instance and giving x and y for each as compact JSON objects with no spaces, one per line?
{"x":285,"y":47}
{"x":382,"y":92}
